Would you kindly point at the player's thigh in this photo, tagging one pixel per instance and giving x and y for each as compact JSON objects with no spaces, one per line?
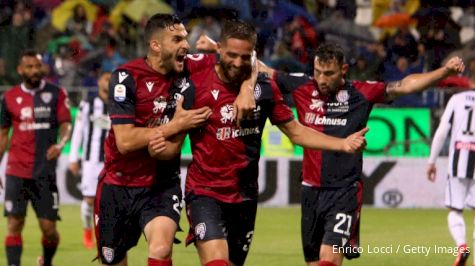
{"x":205,"y":216}
{"x":342,"y":219}
{"x":90,"y":176}
{"x":240,"y":221}
{"x":160,"y":213}
{"x":45,"y":199}
{"x":311,"y":225}
{"x":17,"y":194}
{"x":117,"y":227}
{"x":456,"y":191}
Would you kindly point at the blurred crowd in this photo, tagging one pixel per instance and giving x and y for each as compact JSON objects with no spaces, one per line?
{"x":385,"y":39}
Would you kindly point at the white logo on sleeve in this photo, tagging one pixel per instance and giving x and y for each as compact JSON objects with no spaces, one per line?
{"x":257,"y":91}
{"x":195,"y":57}
{"x":215,"y":94}
{"x":149,"y":85}
{"x":19,"y":100}
{"x":119,"y":93}
{"x":122,"y":76}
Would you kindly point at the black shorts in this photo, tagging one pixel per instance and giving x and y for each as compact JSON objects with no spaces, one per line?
{"x":42,"y":193}
{"x":331,"y":217}
{"x":212,"y":219}
{"x":123,"y":213}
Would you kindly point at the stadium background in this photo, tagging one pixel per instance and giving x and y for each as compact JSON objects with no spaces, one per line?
{"x":384,"y":39}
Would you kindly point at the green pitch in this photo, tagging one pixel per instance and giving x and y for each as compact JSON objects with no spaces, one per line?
{"x":407,"y":237}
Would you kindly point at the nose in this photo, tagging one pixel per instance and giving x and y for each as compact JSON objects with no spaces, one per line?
{"x":186,"y":45}
{"x":238,"y":62}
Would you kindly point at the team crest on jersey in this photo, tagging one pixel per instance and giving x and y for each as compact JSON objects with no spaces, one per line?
{"x":257,"y":91}
{"x":108,"y":254}
{"x":227,"y":113}
{"x":342,"y":96}
{"x":46,"y":97}
{"x":19,"y":100}
{"x":182,"y":84}
{"x":317,"y":105}
{"x":200,"y":231}
{"x":119,"y":93}
{"x":159,"y":104}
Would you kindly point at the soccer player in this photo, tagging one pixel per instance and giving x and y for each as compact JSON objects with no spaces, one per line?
{"x":37,"y":112}
{"x":331,"y":192}
{"x":136,"y":193}
{"x":458,"y":119}
{"x":91,"y":126}
{"x":221,"y":185}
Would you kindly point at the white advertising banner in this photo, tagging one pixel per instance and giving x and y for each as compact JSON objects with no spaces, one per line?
{"x":388,"y":182}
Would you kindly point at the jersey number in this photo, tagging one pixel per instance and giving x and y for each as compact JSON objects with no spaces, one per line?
{"x":177,"y":204}
{"x":342,"y":220}
{"x":249,"y":239}
{"x":468,"y":130}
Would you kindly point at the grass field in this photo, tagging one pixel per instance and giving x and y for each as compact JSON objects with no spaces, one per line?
{"x":277,"y":239}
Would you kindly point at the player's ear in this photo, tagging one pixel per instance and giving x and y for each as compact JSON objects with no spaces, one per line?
{"x":155,"y":46}
{"x":218,"y":47}
{"x":344,"y":68}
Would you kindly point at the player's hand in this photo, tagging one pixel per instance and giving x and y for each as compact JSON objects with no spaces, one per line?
{"x":431,"y":172}
{"x":245,"y":102}
{"x":189,"y":119}
{"x":355,"y":142}
{"x":206,"y":44}
{"x":53,"y":152}
{"x":156,"y":143}
{"x":74,"y":168}
{"x":454,"y":65}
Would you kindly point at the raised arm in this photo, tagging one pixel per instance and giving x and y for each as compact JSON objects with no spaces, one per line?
{"x":419,"y":82}
{"x":312,"y":139}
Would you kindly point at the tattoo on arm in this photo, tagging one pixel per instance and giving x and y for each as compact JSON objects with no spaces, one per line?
{"x":394,"y":85}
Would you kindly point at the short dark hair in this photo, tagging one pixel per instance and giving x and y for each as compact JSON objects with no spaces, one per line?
{"x":28,"y":53}
{"x":238,"y":29}
{"x":329,"y":51}
{"x":159,"y":22}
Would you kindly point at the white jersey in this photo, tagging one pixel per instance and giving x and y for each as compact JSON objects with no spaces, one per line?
{"x":91,"y":126}
{"x":459,"y":120}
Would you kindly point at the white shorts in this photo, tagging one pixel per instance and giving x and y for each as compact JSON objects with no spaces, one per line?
{"x":460,"y":192}
{"x":90,"y":175}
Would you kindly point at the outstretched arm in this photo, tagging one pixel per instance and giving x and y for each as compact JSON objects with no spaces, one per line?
{"x":312,"y":139}
{"x":419,"y":82}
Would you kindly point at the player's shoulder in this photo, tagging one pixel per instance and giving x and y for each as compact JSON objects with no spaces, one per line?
{"x":12,"y":91}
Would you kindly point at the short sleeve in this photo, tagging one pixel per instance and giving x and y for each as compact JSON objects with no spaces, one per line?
{"x":289,"y":82}
{"x":197,"y":62}
{"x":373,"y":91}
{"x":63,"y":107}
{"x":281,"y":113}
{"x":122,"y":90}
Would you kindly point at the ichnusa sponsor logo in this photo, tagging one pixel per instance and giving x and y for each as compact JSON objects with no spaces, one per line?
{"x":311,"y":118}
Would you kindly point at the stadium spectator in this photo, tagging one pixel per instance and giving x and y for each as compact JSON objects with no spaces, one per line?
{"x":137,"y":193}
{"x":221,"y":184}
{"x":91,"y":126}
{"x":37,"y":111}
{"x":457,"y":119}
{"x":332,"y":186}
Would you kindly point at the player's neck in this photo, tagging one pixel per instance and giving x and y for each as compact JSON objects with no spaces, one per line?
{"x":222,"y":77}
{"x":155,"y":63}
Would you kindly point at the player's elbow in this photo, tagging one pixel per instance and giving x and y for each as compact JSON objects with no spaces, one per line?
{"x":124,"y":147}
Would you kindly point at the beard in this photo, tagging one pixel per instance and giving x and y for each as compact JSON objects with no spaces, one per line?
{"x":239,"y":74}
{"x":167,"y":61}
{"x":34,"y":80}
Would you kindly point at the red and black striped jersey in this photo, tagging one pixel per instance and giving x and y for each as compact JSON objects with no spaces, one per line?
{"x":35,"y":116}
{"x":141,"y":96}
{"x":225,"y":156}
{"x":339,"y":115}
